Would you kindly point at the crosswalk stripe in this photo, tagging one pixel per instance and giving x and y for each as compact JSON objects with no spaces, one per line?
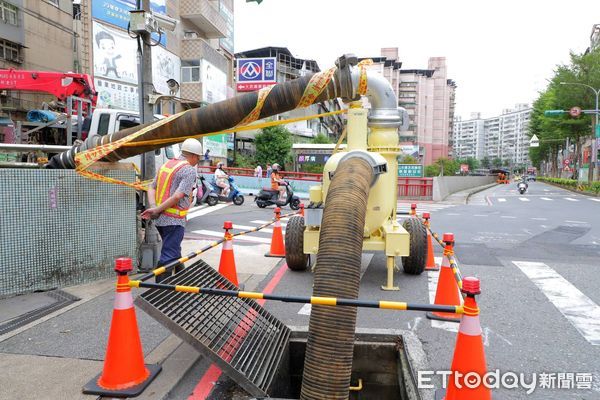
{"x":247,"y":227}
{"x":206,"y":210}
{"x":579,"y":309}
{"x":242,"y":238}
{"x":594,"y":199}
{"x":523,"y":199}
{"x":501,"y":200}
{"x":570,"y":199}
{"x":261,"y":222}
{"x":545,"y":198}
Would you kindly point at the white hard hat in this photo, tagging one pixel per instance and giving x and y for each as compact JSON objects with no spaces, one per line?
{"x":192,"y":146}
{"x":275,"y":166}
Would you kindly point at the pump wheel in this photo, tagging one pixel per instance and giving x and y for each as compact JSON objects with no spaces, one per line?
{"x":414,"y":263}
{"x":294,"y":244}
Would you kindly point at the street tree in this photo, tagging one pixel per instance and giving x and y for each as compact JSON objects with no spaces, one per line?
{"x":273,"y":145}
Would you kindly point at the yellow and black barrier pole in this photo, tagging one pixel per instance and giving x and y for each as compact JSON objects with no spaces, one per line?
{"x":326,"y":301}
{"x":168,"y":267}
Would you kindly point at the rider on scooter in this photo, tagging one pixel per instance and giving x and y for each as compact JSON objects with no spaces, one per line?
{"x":276,"y":182}
{"x":222,"y":179}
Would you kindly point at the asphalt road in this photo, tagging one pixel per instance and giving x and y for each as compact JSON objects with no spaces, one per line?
{"x":537,"y":256}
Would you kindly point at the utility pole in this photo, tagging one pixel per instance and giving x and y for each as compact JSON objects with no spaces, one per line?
{"x":145,"y":87}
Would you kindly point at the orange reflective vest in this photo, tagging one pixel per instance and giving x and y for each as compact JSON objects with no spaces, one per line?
{"x":164,"y":180}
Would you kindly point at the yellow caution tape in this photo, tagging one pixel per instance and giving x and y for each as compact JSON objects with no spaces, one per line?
{"x":316,"y":85}
{"x":260,"y":101}
{"x":362,"y":79}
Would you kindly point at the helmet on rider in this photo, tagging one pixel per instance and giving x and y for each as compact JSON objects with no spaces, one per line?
{"x":220,"y":165}
{"x":275,"y":167}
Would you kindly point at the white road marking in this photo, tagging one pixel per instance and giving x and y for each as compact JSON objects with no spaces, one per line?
{"x":364,"y":264}
{"x":206,"y":210}
{"x":262,"y":222}
{"x":432,"y":281}
{"x":546,"y":198}
{"x":501,"y":199}
{"x":480,"y":215}
{"x":414,"y":326}
{"x":546,"y":190}
{"x":523,"y":199}
{"x":543,"y":226}
{"x":248,"y":227}
{"x":579,"y":309}
{"x":540,"y":219}
{"x":487,"y":332}
{"x":242,"y":238}
{"x":452,"y":214}
{"x":576,"y":222}
{"x":594,"y":199}
{"x":507,"y":216}
{"x":570,"y":199}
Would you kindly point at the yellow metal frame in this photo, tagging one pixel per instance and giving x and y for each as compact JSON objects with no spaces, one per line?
{"x":382,"y":231}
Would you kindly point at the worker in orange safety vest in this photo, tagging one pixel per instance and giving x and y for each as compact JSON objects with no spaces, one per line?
{"x":170,"y":197}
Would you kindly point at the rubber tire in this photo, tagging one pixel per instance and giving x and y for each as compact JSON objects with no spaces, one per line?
{"x":212,"y":201}
{"x":294,"y":244}
{"x":295,"y":204}
{"x":238,"y":200}
{"x":414,"y":263}
{"x":261,"y":204}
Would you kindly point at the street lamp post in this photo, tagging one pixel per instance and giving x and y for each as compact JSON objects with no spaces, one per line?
{"x":594,"y":159}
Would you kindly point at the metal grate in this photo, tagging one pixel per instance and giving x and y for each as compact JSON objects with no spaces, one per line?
{"x":240,"y":336}
{"x":59,"y":229}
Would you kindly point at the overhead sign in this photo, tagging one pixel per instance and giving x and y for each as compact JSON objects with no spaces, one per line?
{"x":534,"y":141}
{"x":575,"y":111}
{"x":255,"y":73}
{"x":410,"y":170}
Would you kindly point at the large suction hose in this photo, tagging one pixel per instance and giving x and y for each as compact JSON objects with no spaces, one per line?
{"x":212,"y":118}
{"x":330,"y":346}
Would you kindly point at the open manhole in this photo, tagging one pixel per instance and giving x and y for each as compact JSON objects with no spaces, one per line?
{"x":384,"y":362}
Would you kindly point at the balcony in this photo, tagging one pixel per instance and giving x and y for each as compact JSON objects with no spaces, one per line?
{"x":205,"y":16}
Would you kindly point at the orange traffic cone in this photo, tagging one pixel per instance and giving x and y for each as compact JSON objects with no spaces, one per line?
{"x":430,"y":265}
{"x":227,"y":263}
{"x":413,"y":209}
{"x":447,"y":290}
{"x":124,"y":373}
{"x":277,"y":245}
{"x":468,"y":363}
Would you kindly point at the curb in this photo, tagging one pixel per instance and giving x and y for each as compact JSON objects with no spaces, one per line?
{"x":570,"y":189}
{"x":479,"y":189}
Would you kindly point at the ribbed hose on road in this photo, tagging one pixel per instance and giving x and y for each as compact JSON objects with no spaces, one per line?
{"x":212,"y":118}
{"x":330,"y":346}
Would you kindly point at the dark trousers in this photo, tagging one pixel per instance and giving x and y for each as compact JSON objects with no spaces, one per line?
{"x":171,"y":235}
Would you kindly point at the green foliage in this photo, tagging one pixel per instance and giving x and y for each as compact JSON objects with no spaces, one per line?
{"x":573,"y":184}
{"x":321,"y":139}
{"x":486,"y":163}
{"x":312,"y":168}
{"x":273,"y":145}
{"x":497,"y":162}
{"x":449,"y":167}
{"x":472,"y":162}
{"x":552,"y":131}
{"x":244,"y":161}
{"x":407,"y":159}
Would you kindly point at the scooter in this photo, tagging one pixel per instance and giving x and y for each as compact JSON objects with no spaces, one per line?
{"x":267,"y":197}
{"x":207,"y":195}
{"x":522,"y":187}
{"x":235,"y":194}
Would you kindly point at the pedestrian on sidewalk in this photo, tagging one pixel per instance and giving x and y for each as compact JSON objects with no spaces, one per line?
{"x":170,"y":197}
{"x":258,"y":173}
{"x":269,"y":170}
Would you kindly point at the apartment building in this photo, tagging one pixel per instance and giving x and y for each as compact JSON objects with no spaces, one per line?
{"x":504,"y":137}
{"x":468,"y":138}
{"x":595,"y":38}
{"x":428,"y":96}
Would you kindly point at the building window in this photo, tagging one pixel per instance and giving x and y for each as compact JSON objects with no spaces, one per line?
{"x":190,"y":71}
{"x":54,"y":2}
{"x":10,"y":51}
{"x":8,"y":13}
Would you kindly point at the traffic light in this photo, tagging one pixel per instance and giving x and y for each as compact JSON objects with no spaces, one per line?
{"x":554,"y":113}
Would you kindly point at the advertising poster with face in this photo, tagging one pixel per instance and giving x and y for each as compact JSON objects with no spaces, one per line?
{"x":165,"y":66}
{"x":114,"y":54}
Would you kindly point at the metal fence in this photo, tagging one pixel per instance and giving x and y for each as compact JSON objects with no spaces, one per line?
{"x":59,"y":229}
{"x":415,"y":188}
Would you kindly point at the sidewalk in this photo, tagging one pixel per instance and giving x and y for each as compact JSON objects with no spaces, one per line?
{"x":54,"y":356}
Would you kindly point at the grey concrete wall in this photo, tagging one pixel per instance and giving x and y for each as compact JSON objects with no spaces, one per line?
{"x":443,"y":186}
